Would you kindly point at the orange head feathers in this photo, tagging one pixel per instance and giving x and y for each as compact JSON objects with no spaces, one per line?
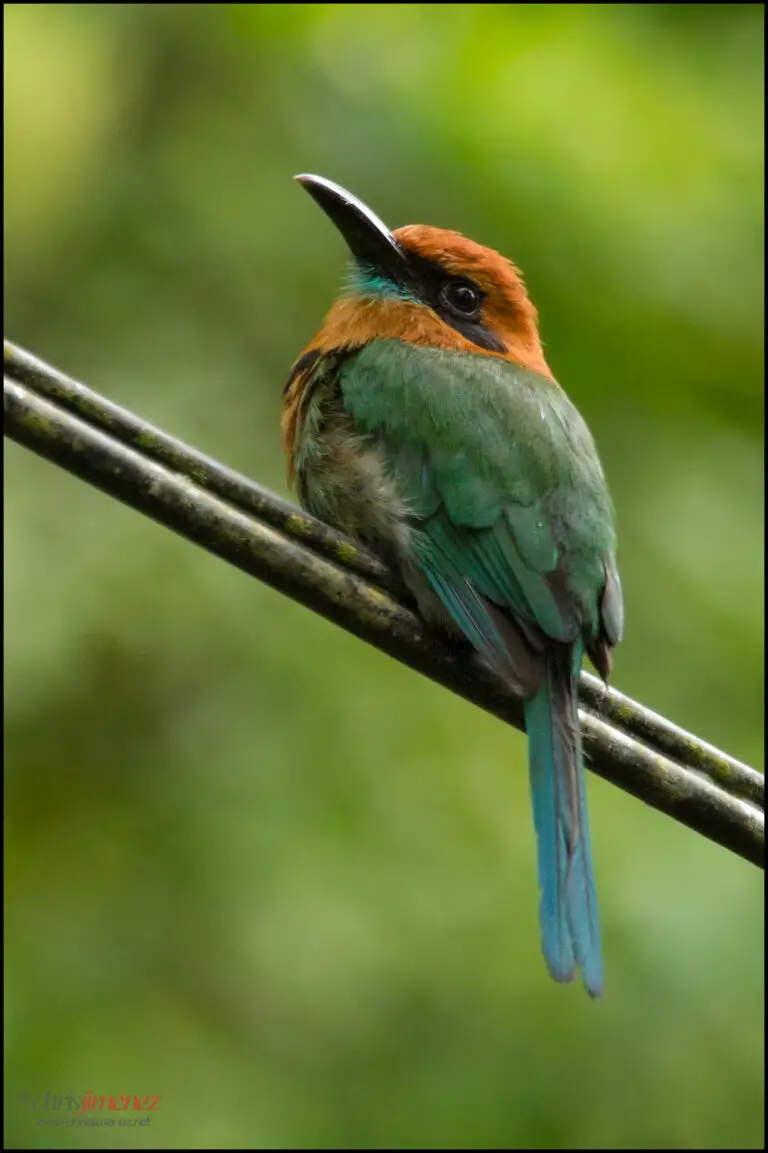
{"x":425,"y":285}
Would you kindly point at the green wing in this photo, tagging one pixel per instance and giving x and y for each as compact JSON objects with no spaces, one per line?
{"x":503,"y":484}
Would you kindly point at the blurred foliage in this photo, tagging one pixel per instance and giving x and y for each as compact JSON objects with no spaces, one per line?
{"x":253,"y":866}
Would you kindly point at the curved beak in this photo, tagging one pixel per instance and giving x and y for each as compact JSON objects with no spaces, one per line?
{"x":368,"y":238}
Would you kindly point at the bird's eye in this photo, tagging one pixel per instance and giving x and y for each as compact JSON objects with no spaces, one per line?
{"x":460,"y":297}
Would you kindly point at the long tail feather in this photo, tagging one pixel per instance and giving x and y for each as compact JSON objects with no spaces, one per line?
{"x":570,"y":932}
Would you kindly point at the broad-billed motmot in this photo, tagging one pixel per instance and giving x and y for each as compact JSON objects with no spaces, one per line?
{"x":423,"y":421}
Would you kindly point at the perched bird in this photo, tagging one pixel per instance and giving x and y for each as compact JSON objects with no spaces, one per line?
{"x":423,"y":421}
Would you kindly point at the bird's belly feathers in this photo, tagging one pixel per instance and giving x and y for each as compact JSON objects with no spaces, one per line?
{"x":344,"y":479}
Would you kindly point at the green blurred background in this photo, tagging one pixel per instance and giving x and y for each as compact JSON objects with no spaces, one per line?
{"x":253,"y":866}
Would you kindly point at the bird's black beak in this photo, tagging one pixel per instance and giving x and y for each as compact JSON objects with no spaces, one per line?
{"x":369,"y":240}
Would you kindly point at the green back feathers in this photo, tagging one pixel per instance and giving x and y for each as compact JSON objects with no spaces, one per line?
{"x":499,"y":469}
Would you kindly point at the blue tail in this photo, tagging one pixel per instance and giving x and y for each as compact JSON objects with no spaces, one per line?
{"x":570,"y":932}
